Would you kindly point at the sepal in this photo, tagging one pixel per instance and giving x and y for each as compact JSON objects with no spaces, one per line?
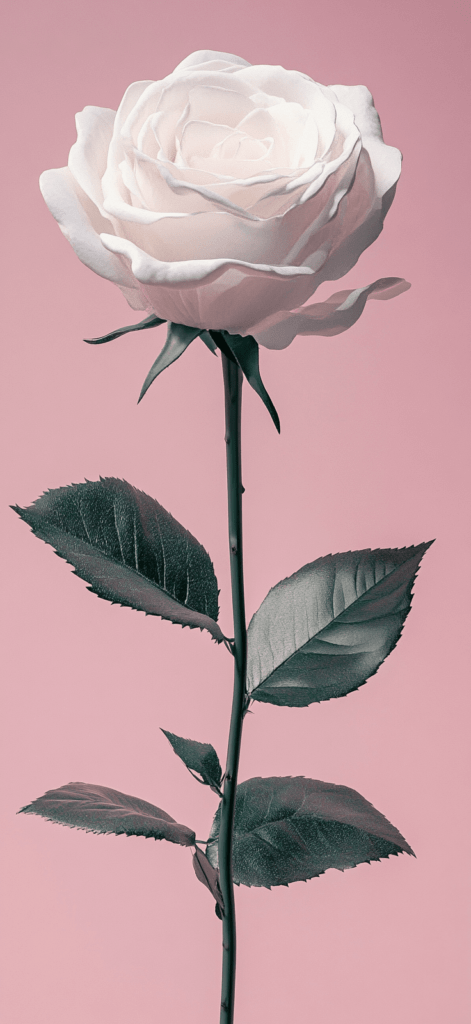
{"x":150,"y":321}
{"x":209,"y":342}
{"x":245,"y":352}
{"x":178,"y":338}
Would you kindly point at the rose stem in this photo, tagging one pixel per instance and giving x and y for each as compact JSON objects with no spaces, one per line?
{"x":233,"y":401}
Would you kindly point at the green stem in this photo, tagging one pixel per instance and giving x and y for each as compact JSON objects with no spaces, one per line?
{"x":233,"y":397}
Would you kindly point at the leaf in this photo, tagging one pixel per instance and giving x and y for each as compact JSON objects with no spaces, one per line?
{"x":201,"y":757}
{"x":130,"y":550}
{"x":209,"y":876}
{"x":246,"y":353}
{"x":150,"y":321}
{"x":178,"y":339}
{"x":291,"y":829}
{"x":99,"y":809}
{"x":324,"y":631}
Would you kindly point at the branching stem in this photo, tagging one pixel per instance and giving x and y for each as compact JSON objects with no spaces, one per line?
{"x":233,"y":396}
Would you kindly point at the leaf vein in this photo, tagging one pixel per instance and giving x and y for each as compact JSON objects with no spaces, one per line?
{"x":117,"y":531}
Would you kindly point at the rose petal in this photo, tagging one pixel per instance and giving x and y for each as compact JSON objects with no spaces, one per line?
{"x":291,"y":86}
{"x":129,"y":101}
{"x":206,"y":236}
{"x":335,"y":315}
{"x":224,"y":105}
{"x":209,"y":57}
{"x":293,"y":129}
{"x":171,"y":98}
{"x":181,"y":188}
{"x":68,"y":206}
{"x":148,"y":141}
{"x":199,"y":138}
{"x":221,"y":294}
{"x":357,"y":229}
{"x":185,"y":274}
{"x":347,"y":142}
{"x":385,"y":160}
{"x":89,"y":154}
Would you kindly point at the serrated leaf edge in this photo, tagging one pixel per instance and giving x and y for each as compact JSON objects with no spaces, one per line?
{"x":28,"y":809}
{"x":425,"y":544}
{"x":213,"y":843}
{"x":213,"y":628}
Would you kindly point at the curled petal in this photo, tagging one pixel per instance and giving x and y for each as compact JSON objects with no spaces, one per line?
{"x":68,"y":204}
{"x":88,"y":156}
{"x":208,"y":57}
{"x":385,"y":160}
{"x":336,"y":314}
{"x":189,"y":273}
{"x":219,"y":294}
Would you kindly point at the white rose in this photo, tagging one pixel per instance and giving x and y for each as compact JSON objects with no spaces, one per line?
{"x":223,"y":195}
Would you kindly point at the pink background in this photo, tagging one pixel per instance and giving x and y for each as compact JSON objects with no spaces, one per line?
{"x":371,"y":453}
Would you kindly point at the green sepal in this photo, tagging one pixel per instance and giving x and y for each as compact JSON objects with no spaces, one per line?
{"x":244,"y":351}
{"x":221,"y":343}
{"x":208,"y":340}
{"x":178,"y":338}
{"x":150,"y":321}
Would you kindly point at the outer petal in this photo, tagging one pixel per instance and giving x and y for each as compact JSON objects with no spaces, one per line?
{"x":79,"y":220}
{"x":355,"y":232}
{"x":336,"y":314}
{"x":385,"y":160}
{"x":222,"y":294}
{"x":88,"y":156}
{"x":206,"y":56}
{"x":380,"y":166}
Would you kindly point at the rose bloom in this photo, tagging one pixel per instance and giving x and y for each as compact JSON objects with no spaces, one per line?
{"x":222,"y":196}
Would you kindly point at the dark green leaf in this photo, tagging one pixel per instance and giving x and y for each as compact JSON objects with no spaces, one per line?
{"x":209,"y":876}
{"x":291,"y":829}
{"x":246,"y":353}
{"x":199,"y":757}
{"x":178,"y":339}
{"x":324,"y":631}
{"x":99,"y":809}
{"x":130,"y":550}
{"x":150,"y":321}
